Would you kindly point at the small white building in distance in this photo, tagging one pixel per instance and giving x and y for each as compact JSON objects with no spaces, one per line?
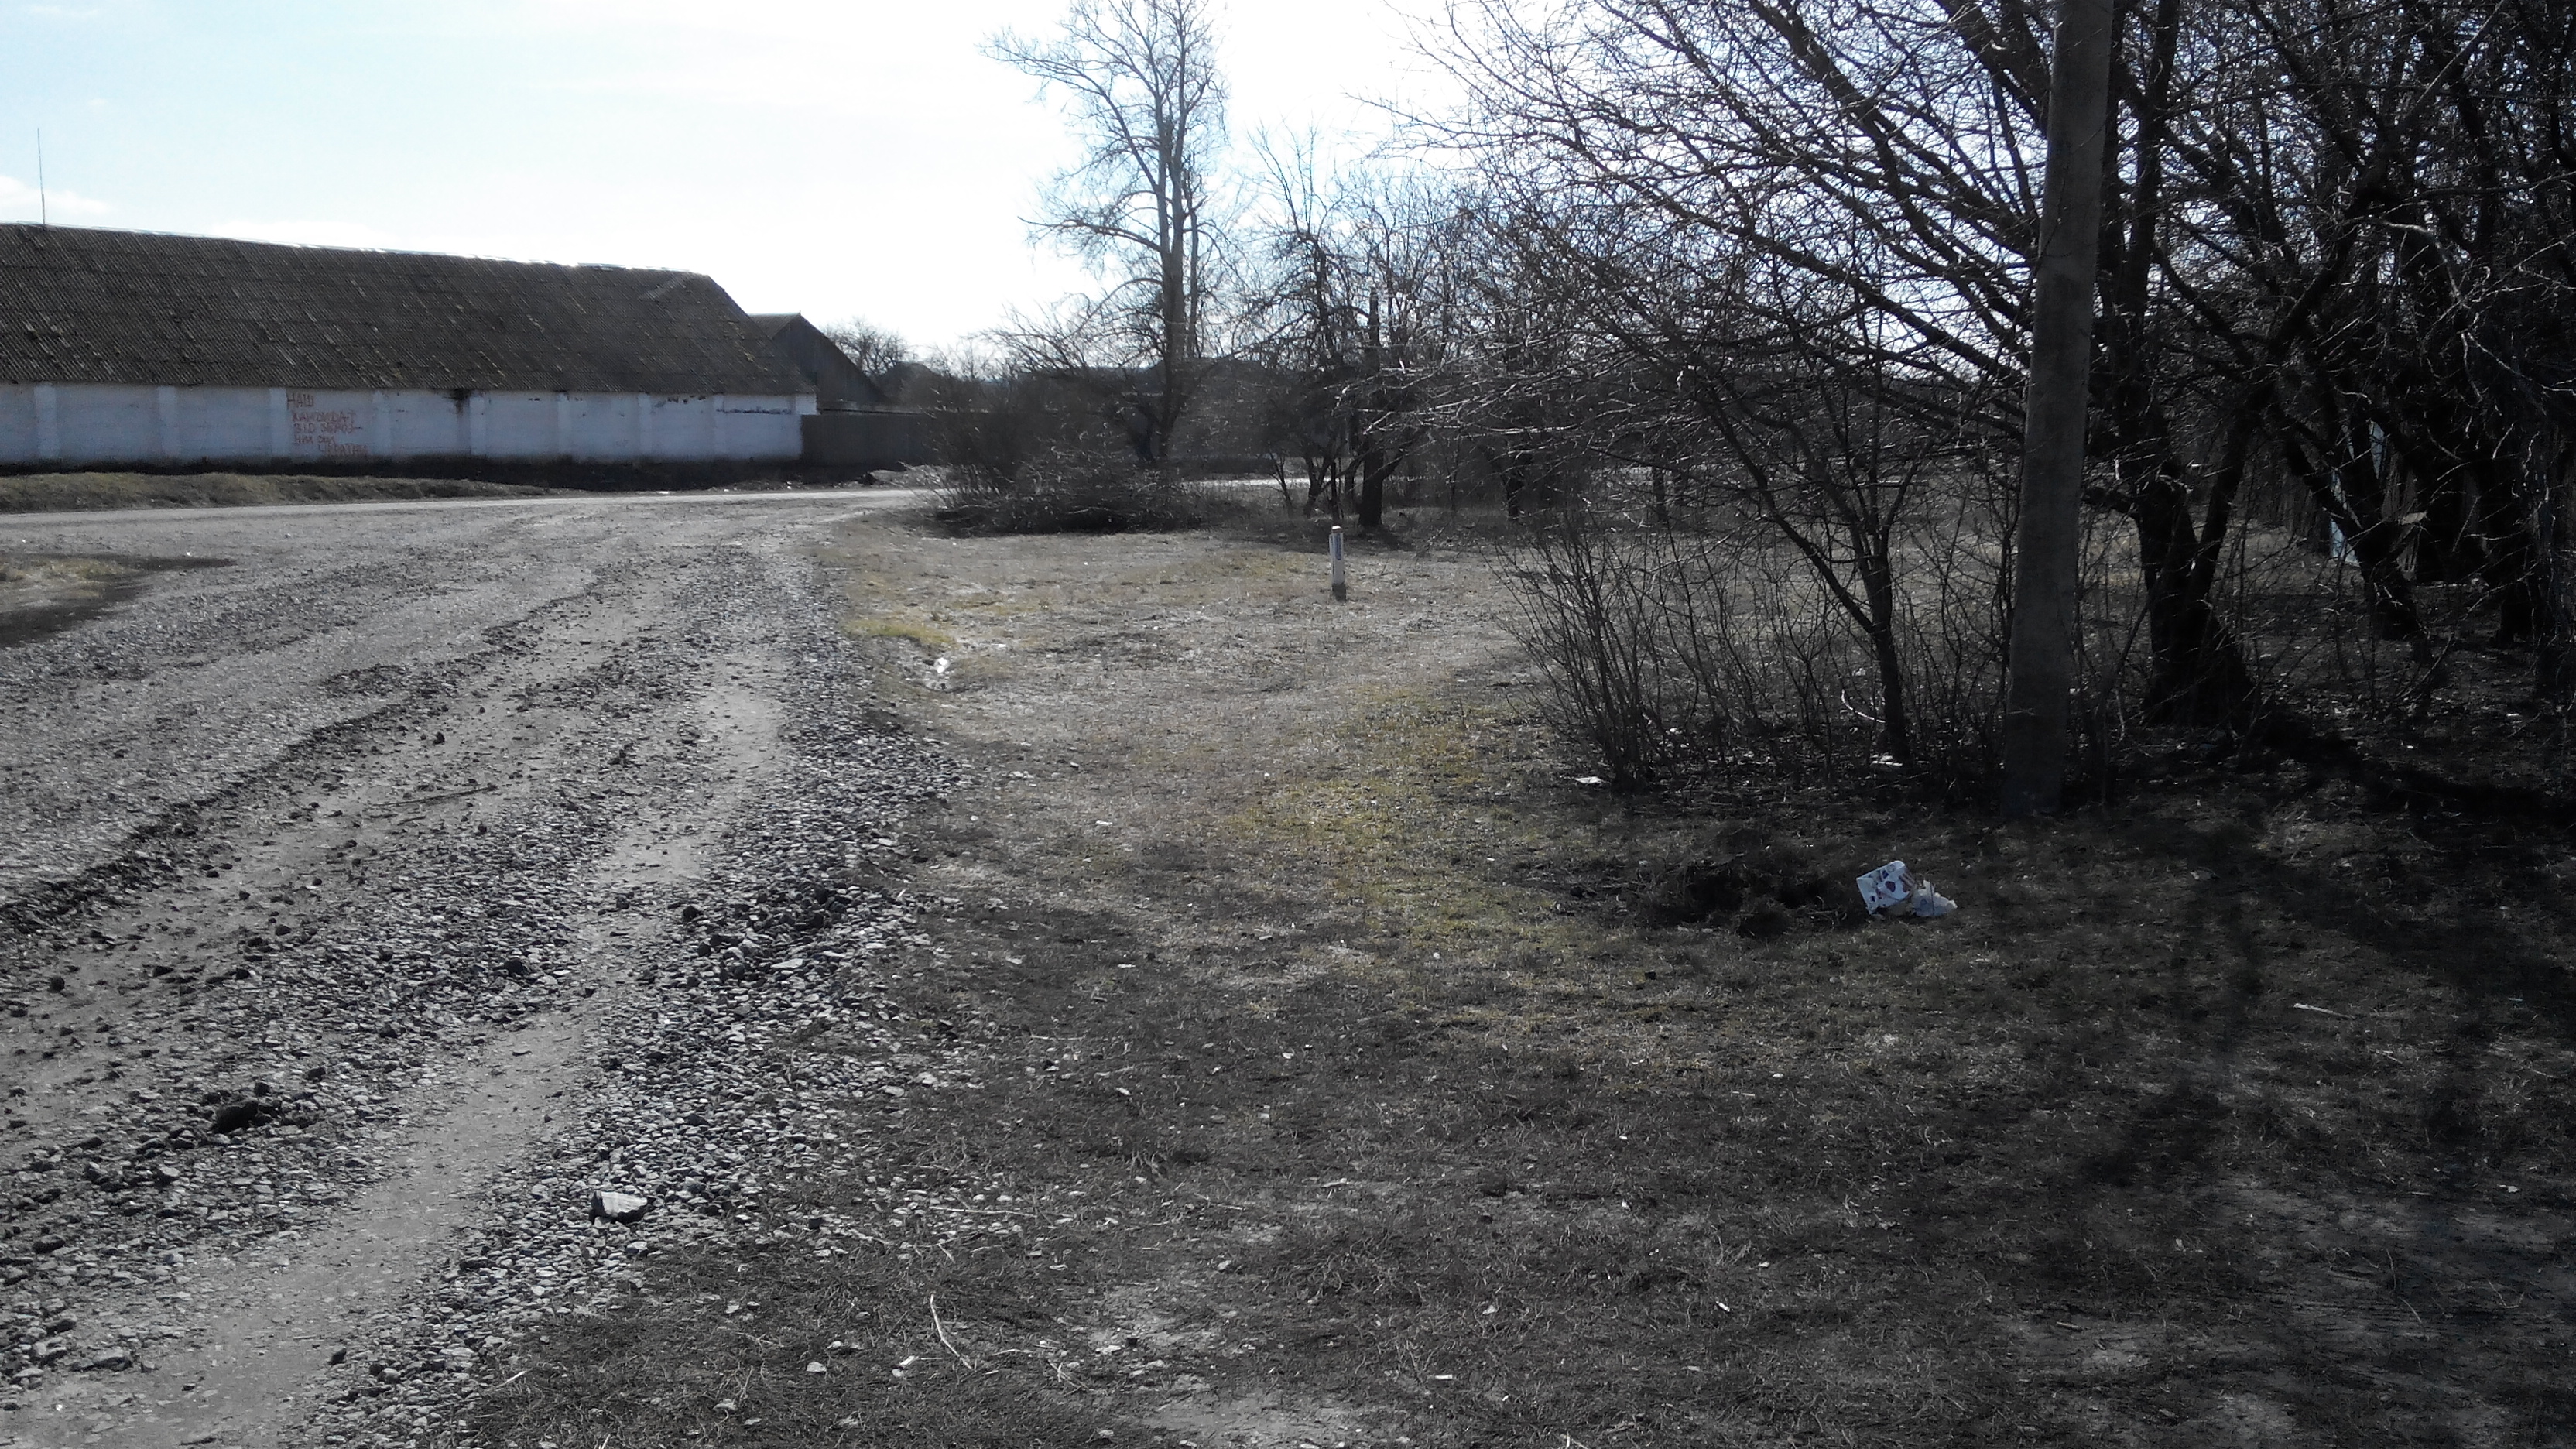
{"x":137,"y":348}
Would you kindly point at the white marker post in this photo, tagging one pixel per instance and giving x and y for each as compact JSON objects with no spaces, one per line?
{"x":1341,"y":580}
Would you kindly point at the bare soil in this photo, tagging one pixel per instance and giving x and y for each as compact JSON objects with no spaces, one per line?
{"x":1315,"y":1059}
{"x":335,"y":865}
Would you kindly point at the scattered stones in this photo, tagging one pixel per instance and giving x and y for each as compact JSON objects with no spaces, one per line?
{"x":265,"y":1094}
{"x":694,"y":1117}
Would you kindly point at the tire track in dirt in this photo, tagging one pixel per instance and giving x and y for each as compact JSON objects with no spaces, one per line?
{"x":429,"y":908}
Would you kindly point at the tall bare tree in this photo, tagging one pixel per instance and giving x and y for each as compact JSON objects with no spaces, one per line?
{"x":1140,"y":88}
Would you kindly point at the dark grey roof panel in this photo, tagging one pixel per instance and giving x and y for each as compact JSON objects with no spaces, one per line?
{"x":836,"y":380}
{"x":80,"y":305}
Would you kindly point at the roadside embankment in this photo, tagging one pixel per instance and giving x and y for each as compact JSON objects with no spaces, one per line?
{"x":65,"y":492}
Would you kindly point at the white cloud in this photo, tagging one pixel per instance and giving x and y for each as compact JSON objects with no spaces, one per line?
{"x":19,"y":196}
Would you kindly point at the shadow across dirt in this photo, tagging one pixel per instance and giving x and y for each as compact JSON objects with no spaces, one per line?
{"x":2196,"y":1128}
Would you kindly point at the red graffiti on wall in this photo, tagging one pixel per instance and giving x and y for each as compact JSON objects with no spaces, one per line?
{"x":334,"y":432}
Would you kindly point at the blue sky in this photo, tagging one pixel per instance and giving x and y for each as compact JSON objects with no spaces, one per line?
{"x":838,"y":159}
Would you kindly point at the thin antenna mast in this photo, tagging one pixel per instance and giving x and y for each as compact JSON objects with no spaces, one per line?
{"x":43,"y":217}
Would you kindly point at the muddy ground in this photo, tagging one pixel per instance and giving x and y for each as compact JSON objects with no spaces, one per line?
{"x":1078,"y":990}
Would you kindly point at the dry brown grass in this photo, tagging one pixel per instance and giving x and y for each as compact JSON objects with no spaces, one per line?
{"x":2237,"y":1114}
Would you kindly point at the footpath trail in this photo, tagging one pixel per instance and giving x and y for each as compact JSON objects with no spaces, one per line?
{"x":341,"y":841}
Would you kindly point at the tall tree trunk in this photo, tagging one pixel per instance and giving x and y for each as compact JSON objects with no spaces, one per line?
{"x":2198,"y":674}
{"x":1177,"y":352}
{"x":2557,"y":665}
{"x":1371,"y":466}
{"x":1878,"y":589}
{"x":2041,"y":653}
{"x":2350,"y":498}
{"x":2514,"y":566}
{"x":2188,"y":681}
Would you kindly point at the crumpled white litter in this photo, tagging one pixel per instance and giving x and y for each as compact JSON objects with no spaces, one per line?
{"x":1893,"y":885}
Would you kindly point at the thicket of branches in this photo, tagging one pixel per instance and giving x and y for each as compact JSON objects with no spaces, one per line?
{"x":1789,"y":243}
{"x":1731,"y":299}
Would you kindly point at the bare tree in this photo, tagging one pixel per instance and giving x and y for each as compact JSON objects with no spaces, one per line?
{"x":1139,"y":83}
{"x":877,"y":350}
{"x":1356,"y":314}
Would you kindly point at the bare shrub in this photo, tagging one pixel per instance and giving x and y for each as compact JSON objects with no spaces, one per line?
{"x":995,"y":426}
{"x":1599,"y":612}
{"x":1759,"y":233}
{"x":1068,"y":491}
{"x":1682,"y":642}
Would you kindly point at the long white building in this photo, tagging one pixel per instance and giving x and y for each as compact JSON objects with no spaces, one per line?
{"x":139,"y":348}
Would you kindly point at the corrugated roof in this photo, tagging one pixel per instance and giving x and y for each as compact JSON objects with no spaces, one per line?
{"x":836,"y":380}
{"x":82,"y":305}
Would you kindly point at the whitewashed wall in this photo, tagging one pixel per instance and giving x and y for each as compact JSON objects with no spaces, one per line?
{"x":102,"y":423}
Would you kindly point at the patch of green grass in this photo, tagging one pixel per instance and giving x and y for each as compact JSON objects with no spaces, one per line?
{"x":929,"y":639}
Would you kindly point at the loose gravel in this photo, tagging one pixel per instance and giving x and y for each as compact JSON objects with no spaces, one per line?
{"x":539,"y":804}
{"x":691,"y":1105}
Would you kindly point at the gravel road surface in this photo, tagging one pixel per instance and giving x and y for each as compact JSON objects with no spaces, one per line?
{"x":381,"y":882}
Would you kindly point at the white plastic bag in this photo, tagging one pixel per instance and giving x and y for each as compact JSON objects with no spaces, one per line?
{"x":1890,"y":884}
{"x":1893,"y":885}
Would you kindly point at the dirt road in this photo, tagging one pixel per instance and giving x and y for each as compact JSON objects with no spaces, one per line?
{"x":340,"y":838}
